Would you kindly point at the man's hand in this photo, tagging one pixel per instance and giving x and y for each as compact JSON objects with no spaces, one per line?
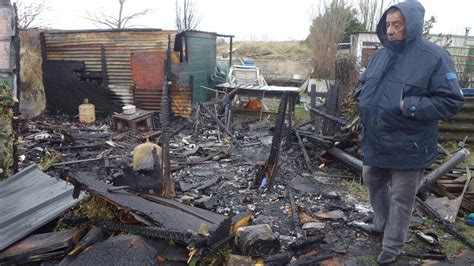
{"x":402,"y":105}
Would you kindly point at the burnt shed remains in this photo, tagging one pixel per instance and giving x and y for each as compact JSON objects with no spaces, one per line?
{"x":113,"y":68}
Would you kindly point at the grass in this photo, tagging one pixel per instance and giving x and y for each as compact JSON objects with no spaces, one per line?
{"x":217,"y":257}
{"x":354,"y":187}
{"x":93,"y":207}
{"x":289,"y":50}
{"x":299,"y":115}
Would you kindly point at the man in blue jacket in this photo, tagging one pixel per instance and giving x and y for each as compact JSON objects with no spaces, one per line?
{"x":408,"y":86}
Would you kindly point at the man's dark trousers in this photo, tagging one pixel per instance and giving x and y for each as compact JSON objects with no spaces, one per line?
{"x":392,"y":193}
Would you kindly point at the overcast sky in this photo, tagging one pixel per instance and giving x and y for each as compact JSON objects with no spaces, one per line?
{"x":246,"y":19}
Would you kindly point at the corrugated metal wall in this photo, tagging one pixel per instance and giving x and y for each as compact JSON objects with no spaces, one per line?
{"x":118,"y":45}
{"x":201,"y":63}
{"x":148,"y":84}
{"x":461,"y":125}
{"x":147,"y":71}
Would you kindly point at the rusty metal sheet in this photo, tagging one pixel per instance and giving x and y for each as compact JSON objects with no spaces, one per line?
{"x":148,"y":79}
{"x":30,"y":199}
{"x":118,"y":46}
{"x":167,"y":213}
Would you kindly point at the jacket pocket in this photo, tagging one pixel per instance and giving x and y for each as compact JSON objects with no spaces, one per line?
{"x":402,"y":151}
{"x":391,"y":99}
{"x":365,"y":93}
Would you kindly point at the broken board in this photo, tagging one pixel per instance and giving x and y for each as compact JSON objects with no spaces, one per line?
{"x":167,"y":213}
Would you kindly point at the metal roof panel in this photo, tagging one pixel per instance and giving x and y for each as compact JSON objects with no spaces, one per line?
{"x":30,"y":199}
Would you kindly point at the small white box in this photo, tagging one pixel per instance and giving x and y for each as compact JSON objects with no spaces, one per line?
{"x":129,"y":109}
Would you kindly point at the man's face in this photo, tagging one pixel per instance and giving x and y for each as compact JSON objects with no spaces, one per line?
{"x":395,"y":23}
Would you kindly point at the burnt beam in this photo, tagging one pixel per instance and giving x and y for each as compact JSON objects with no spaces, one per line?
{"x":216,"y":119}
{"x":265,"y":175}
{"x":303,"y":150}
{"x":328,"y":116}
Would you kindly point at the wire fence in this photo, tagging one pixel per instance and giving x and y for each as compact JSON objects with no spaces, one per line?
{"x":463,"y":59}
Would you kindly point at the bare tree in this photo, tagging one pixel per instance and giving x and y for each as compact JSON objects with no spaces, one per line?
{"x":115,"y":22}
{"x":370,"y":11}
{"x":30,"y":13}
{"x":327,"y":29}
{"x":187,"y":16}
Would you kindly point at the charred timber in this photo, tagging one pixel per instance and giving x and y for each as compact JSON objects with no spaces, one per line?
{"x":168,"y":183}
{"x":150,"y":231}
{"x":328,"y":116}
{"x":295,"y":216}
{"x":303,"y":150}
{"x":318,"y":139}
{"x":271,"y":166}
{"x":216,"y":119}
{"x":350,"y":160}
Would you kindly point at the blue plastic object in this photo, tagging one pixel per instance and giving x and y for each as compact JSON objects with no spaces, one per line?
{"x":249,"y":63}
{"x":470,"y":219}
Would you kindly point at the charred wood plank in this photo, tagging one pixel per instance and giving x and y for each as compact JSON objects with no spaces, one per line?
{"x":312,"y":260}
{"x":294,"y":215}
{"x":427,"y":256}
{"x":167,"y":180}
{"x":200,"y":161}
{"x":94,"y":235}
{"x":216,"y":119}
{"x":350,"y":160}
{"x":36,"y":245}
{"x":78,"y":147}
{"x":323,"y":114}
{"x":63,"y":128}
{"x":150,"y":231}
{"x":271,"y":166}
{"x":85,"y":160}
{"x":318,"y":139}
{"x":305,"y":123}
{"x":303,"y":150}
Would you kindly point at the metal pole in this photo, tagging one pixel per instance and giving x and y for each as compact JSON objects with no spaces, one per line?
{"x":432,"y":176}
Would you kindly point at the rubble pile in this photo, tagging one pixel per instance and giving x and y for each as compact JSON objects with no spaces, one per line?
{"x":309,"y":212}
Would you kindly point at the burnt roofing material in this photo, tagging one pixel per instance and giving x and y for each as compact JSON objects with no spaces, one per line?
{"x":30,"y":199}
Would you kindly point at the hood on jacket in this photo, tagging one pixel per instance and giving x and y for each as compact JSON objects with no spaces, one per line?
{"x":414,"y":14}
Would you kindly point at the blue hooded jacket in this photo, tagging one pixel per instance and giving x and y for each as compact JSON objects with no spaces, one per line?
{"x":418,"y":72}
